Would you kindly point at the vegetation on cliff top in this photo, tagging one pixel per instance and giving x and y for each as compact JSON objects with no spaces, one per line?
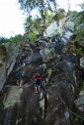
{"x":46,"y":12}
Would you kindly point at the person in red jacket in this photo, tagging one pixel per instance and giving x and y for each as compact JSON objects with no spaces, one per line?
{"x":37,"y":82}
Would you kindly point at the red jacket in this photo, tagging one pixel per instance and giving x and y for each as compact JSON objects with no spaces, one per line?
{"x":36,"y":77}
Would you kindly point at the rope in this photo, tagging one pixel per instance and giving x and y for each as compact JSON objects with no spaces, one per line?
{"x":76,"y":114}
{"x":67,"y":107}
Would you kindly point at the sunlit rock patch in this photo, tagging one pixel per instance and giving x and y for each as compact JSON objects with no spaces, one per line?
{"x":12,"y":96}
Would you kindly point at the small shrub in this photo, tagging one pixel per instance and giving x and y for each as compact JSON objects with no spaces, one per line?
{"x":79,"y":34}
{"x":79,"y":51}
{"x":33,"y":36}
{"x":56,"y":31}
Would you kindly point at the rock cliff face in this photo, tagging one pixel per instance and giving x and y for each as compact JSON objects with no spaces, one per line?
{"x":61,"y":78}
{"x":2,"y":66}
{"x":22,"y":106}
{"x":8,"y":54}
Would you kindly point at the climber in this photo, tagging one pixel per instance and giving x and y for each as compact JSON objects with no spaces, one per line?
{"x":19,"y":77}
{"x":20,"y":73}
{"x":37,"y":82}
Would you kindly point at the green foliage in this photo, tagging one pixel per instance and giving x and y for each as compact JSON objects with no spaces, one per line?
{"x":16,"y":39}
{"x":41,"y":5}
{"x":79,"y":34}
{"x":28,"y":23}
{"x":33,"y":36}
{"x":56,"y":31}
{"x":48,"y":12}
{"x":79,"y":26}
{"x":79,"y":51}
{"x":3,"y":40}
{"x":12,"y":40}
{"x":79,"y":31}
{"x":29,"y":5}
{"x":73,"y":14}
